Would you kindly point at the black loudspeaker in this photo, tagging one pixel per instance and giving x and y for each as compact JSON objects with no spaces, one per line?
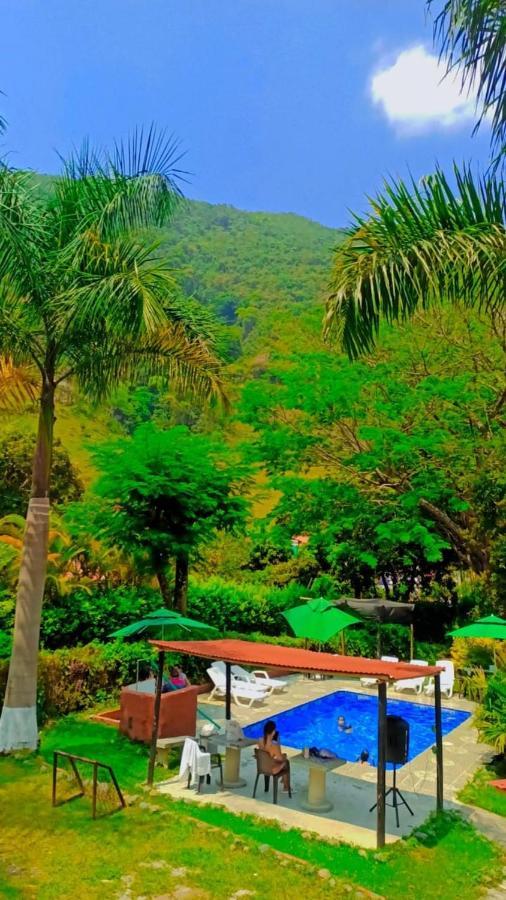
{"x":397,"y":740}
{"x":397,"y":750}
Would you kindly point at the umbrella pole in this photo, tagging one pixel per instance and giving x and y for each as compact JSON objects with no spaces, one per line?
{"x":343,"y":645}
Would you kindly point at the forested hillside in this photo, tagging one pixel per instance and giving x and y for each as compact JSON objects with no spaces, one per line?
{"x":231,"y":259}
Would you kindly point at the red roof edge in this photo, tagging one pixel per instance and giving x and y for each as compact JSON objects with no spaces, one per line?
{"x":295,"y":659}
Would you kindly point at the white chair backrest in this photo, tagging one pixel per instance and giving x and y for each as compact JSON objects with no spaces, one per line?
{"x":390,"y":659}
{"x":418,"y":662}
{"x":219,"y":665}
{"x":448,"y":676}
{"x":217,"y":677}
{"x":242,"y":673}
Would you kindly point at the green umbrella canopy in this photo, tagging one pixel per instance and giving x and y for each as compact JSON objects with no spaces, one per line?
{"x":166,"y":622}
{"x":492,"y":627}
{"x":318,"y":620}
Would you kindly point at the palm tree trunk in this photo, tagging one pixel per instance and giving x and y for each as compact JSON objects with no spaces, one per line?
{"x":181,"y":582}
{"x":18,"y":722}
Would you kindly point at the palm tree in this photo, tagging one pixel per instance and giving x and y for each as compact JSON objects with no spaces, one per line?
{"x":84,"y":296}
{"x":434,"y":241}
{"x":472,"y":39}
{"x":422,"y":244}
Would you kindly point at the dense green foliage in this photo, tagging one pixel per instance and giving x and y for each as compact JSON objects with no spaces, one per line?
{"x":491,"y":719}
{"x":398,"y":458}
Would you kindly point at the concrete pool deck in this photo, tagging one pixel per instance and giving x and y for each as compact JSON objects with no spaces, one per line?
{"x":351,"y":788}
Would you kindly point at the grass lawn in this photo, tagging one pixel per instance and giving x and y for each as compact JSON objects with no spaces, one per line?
{"x":157,"y":847}
{"x":479,"y":793}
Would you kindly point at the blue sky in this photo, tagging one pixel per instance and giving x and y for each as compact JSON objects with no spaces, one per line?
{"x":284,"y":105}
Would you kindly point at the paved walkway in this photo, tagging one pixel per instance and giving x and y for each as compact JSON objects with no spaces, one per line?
{"x":352,"y":789}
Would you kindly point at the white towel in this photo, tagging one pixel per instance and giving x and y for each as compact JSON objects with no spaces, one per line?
{"x":194,"y":760}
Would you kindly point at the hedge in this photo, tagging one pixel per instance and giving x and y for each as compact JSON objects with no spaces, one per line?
{"x":86,"y":616}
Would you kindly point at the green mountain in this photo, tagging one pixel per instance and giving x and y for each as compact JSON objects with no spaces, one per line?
{"x":228,"y":258}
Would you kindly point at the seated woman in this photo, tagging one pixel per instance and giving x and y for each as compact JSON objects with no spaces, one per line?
{"x":270,"y":743}
{"x":177,"y":678}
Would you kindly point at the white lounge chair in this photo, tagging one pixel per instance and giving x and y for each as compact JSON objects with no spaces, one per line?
{"x":258,"y":677}
{"x":370,"y":682}
{"x":243,"y":693}
{"x":412,"y":684}
{"x":447,"y":678}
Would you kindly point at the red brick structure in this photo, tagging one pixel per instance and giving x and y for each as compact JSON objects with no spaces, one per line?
{"x":178,"y":713}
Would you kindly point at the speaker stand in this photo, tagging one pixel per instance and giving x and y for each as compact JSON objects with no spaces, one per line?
{"x":397,"y":799}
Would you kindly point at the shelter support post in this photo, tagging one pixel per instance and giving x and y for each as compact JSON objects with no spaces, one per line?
{"x":381,"y":772}
{"x":411,"y":641}
{"x":156,"y":717}
{"x":228,"y":690}
{"x":439,"y":743}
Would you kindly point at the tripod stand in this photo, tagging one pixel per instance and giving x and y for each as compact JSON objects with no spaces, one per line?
{"x":397,"y":798}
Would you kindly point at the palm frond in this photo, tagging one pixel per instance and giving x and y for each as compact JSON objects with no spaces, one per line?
{"x":20,"y":335}
{"x":22,"y":229}
{"x":133,"y":187}
{"x":18,"y":385}
{"x":186,"y":363}
{"x":472,"y":38}
{"x":119,"y":287}
{"x":421,"y":244}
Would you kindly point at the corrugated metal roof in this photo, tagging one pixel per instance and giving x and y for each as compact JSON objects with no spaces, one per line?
{"x":295,"y":659}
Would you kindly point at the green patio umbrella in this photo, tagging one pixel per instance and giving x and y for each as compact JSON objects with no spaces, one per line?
{"x":318,"y":620}
{"x":491,"y":627}
{"x":166,"y":623}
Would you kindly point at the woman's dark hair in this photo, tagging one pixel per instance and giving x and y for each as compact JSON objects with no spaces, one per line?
{"x":269,"y":728}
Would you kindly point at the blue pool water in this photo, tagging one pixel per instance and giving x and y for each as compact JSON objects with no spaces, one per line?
{"x":314,"y":724}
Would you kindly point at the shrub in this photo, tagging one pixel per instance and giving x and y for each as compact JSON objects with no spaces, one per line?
{"x":71,"y":680}
{"x":16,"y":455}
{"x":491,"y":716}
{"x":469,"y":652}
{"x":245,"y":607}
{"x":87,"y":616}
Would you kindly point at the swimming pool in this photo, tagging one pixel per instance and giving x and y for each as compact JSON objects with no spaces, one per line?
{"x":315,"y":724}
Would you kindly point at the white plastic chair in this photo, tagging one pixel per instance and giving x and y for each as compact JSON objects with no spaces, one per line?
{"x":243,"y":693}
{"x":259,"y":678}
{"x":412,"y":684}
{"x":447,"y":678}
{"x":370,"y":682}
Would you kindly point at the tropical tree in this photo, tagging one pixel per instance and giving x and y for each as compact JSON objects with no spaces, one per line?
{"x":84,"y":296}
{"x":416,"y":430}
{"x":160,"y":496}
{"x":435,"y":241}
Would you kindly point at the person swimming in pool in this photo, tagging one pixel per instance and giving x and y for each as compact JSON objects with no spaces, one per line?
{"x":344,"y":726}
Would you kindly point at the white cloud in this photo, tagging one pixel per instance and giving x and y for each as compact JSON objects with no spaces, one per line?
{"x":415,"y":95}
